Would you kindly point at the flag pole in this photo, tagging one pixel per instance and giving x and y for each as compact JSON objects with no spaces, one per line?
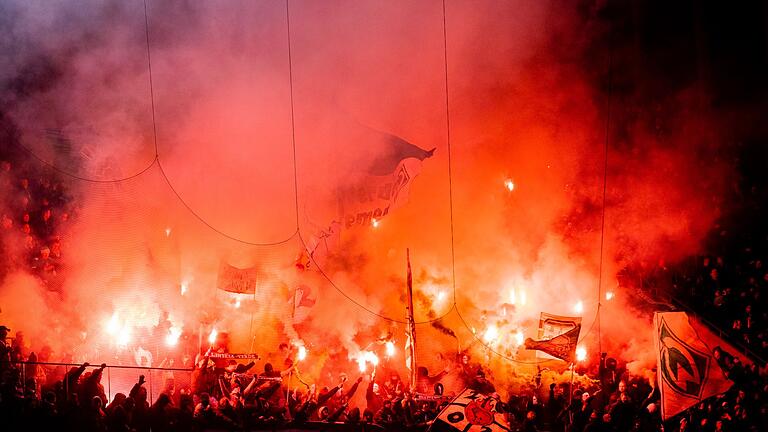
{"x":411,"y":323}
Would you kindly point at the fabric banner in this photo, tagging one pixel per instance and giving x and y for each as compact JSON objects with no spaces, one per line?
{"x":237,"y":280}
{"x":561,"y":346}
{"x":248,"y":356}
{"x":551,"y":325}
{"x":470,"y":412}
{"x":688,"y":360}
{"x":373,"y":197}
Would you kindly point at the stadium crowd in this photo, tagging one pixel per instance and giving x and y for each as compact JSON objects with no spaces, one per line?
{"x":34,"y":212}
{"x":224,"y":394}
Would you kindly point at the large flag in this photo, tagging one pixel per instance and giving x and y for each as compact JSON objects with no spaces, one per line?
{"x":375,"y":196}
{"x":687,"y":365}
{"x":562,"y":346}
{"x":470,"y":412}
{"x":385,"y":173}
{"x":410,"y":342}
{"x":237,"y":280}
{"x":378,"y":183}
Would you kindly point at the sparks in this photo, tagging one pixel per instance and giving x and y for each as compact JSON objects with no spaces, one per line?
{"x":184,"y":287}
{"x":581,"y":354}
{"x":212,"y":336}
{"x":609,"y":295}
{"x":578,"y":307}
{"x":509,"y":184}
{"x":168,"y":232}
{"x":390,"y":348}
{"x":375,"y":223}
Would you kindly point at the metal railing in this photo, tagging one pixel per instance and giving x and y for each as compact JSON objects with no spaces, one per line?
{"x":149,"y":375}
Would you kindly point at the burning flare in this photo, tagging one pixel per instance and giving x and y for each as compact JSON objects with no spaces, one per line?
{"x":390,"y":348}
{"x":581,"y":354}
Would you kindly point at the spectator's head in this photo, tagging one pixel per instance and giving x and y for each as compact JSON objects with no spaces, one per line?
{"x":49,"y":398}
{"x":129,"y":404}
{"x":205,"y":399}
{"x":368,"y":416}
{"x":4,"y":332}
{"x":607,"y":418}
{"x":96,"y":403}
{"x":323,"y":412}
{"x":163,"y":400}
{"x":585,"y":397}
{"x":622,"y":386}
{"x":141,"y":395}
{"x":268,"y":369}
{"x":118,"y":399}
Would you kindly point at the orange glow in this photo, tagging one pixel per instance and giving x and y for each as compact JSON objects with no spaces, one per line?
{"x":509,"y":184}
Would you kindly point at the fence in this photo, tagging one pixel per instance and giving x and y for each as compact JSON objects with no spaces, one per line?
{"x":119,"y":378}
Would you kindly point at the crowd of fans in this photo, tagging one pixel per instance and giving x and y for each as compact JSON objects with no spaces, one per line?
{"x":729,"y":294}
{"x":224,"y":394}
{"x":34,"y":212}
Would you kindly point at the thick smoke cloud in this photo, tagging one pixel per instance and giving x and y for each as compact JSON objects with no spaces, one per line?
{"x":524,"y":107}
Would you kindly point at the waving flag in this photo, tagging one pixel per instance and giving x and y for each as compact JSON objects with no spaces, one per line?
{"x":687,"y":355}
{"x":558,"y":330}
{"x":470,"y":412}
{"x":562,"y":346}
